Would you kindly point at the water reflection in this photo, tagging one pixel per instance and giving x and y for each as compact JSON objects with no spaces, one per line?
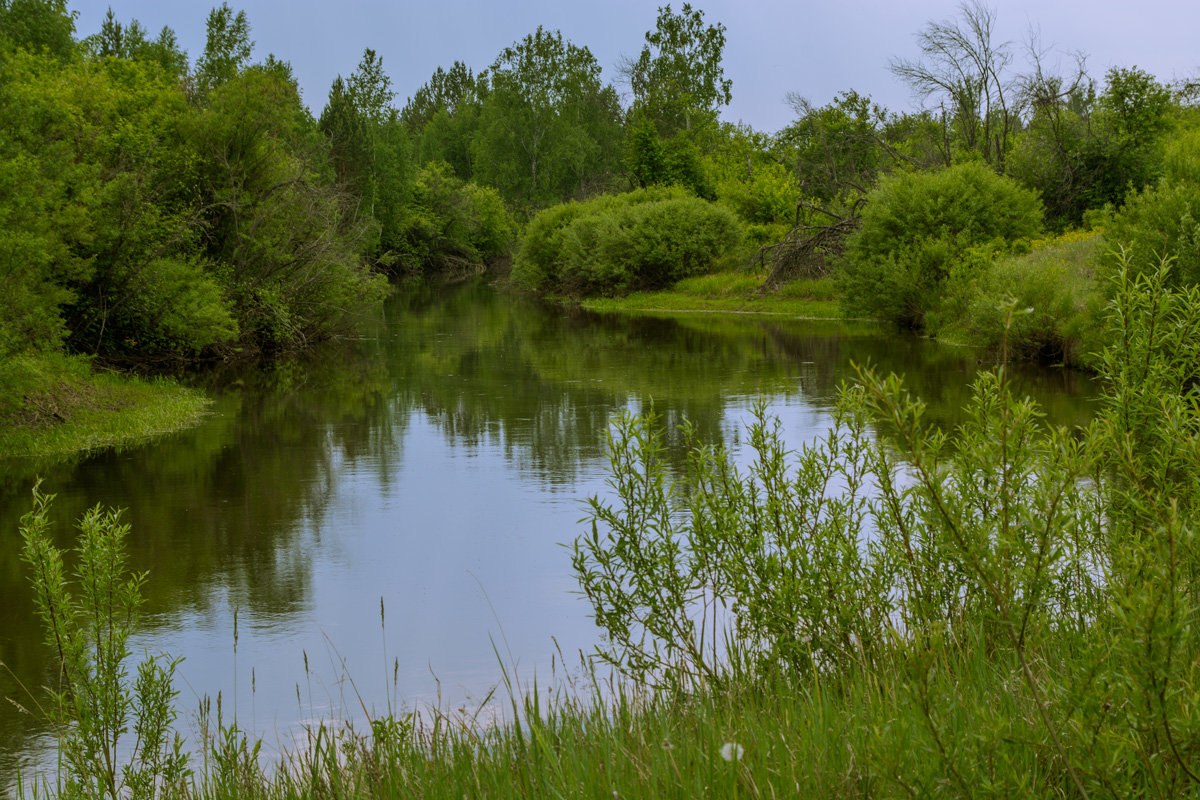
{"x":435,"y":465}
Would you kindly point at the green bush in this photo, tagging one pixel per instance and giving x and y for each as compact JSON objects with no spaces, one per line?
{"x":612,"y":244}
{"x":1020,"y":600}
{"x":452,"y":223}
{"x":1044,"y":305}
{"x":1164,"y":220}
{"x":917,"y":228}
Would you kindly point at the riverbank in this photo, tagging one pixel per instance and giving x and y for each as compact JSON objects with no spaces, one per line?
{"x":53,"y":406}
{"x":731,"y":292}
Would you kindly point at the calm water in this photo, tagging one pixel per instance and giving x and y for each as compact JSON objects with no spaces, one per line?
{"x":435,"y":466}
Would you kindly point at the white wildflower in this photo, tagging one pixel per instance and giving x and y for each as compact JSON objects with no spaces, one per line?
{"x":732,"y":751}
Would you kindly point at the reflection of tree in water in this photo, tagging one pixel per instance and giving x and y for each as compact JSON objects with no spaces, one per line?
{"x":222,"y":509}
{"x":543,"y":383}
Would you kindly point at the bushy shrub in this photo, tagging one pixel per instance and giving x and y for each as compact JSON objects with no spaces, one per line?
{"x":1012,"y":594}
{"x":917,"y":228}
{"x":452,"y":223}
{"x":645,"y":239}
{"x":1164,"y":220}
{"x":1044,"y":305}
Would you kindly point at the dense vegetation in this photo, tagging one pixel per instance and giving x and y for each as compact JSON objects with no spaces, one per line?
{"x":160,"y":210}
{"x":1009,"y":610}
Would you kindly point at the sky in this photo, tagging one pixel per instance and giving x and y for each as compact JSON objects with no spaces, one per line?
{"x":773,"y":47}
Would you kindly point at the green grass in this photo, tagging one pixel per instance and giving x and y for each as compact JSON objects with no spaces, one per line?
{"x":730,"y":292}
{"x":967,"y":728}
{"x":54,"y":406}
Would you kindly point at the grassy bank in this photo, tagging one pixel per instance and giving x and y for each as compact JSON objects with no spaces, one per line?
{"x":54,"y":405}
{"x":733,"y":292}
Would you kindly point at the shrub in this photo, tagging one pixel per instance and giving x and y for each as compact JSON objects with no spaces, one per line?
{"x":1043,"y":305}
{"x":645,"y":239}
{"x":1016,"y":596}
{"x":1164,"y":220}
{"x":452,"y":222}
{"x":96,"y":701}
{"x":917,"y":228}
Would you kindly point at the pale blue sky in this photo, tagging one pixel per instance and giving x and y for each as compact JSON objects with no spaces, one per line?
{"x":814,"y":48}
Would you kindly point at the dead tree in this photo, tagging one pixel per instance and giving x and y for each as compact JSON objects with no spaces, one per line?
{"x":808,"y":248}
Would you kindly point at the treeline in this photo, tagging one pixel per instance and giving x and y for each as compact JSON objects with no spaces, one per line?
{"x":160,"y":208}
{"x":154,"y":210}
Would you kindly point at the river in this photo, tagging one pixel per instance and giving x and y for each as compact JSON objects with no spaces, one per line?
{"x":380,"y":523}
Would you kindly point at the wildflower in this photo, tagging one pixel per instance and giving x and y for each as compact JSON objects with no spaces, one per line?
{"x":732,"y":751}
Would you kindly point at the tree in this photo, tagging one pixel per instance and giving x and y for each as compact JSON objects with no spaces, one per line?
{"x":677,"y":80}
{"x":227,"y":48}
{"x":38,"y":25}
{"x":1082,"y":151}
{"x":548,"y":129}
{"x":115,"y":40}
{"x":446,"y":90}
{"x":443,"y":115}
{"x":965,"y":71}
{"x":836,"y":150}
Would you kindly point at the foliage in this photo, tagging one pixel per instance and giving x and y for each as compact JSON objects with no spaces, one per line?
{"x":614,"y":243}
{"x":835,"y":150}
{"x":918,"y":228}
{"x":548,"y":129}
{"x":95,"y":701}
{"x":131,"y":42}
{"x":653,"y":160}
{"x":227,"y":48}
{"x":443,"y":116}
{"x":678,"y":81}
{"x":370,"y":151}
{"x":277,"y":236}
{"x":452,"y":224}
{"x":446,"y":90}
{"x":966,"y":71}
{"x":1044,"y":305}
{"x":100,"y":233}
{"x":1012,"y":593}
{"x":1162,"y":220}
{"x":1083,"y":152}
{"x":38,"y":26}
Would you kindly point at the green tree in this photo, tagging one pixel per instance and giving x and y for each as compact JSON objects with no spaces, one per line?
{"x":38,"y":26}
{"x":548,"y":130}
{"x":131,"y":42}
{"x":1083,"y":151}
{"x":919,"y":228}
{"x":678,"y":80}
{"x":965,"y":71}
{"x":836,"y":150}
{"x":446,"y":90}
{"x":276,"y":233}
{"x":100,"y":243}
{"x":443,"y":116}
{"x":227,"y":48}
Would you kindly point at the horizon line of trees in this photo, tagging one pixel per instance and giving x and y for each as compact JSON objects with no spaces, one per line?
{"x":162,"y":209}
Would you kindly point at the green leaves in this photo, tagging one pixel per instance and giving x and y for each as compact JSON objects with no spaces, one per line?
{"x":678,"y":81}
{"x":94,"y":704}
{"x":547,"y":126}
{"x":649,"y":238}
{"x":916,"y":228}
{"x":1027,"y":595}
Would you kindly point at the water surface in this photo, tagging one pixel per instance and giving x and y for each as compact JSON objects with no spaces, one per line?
{"x":431,"y":471}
